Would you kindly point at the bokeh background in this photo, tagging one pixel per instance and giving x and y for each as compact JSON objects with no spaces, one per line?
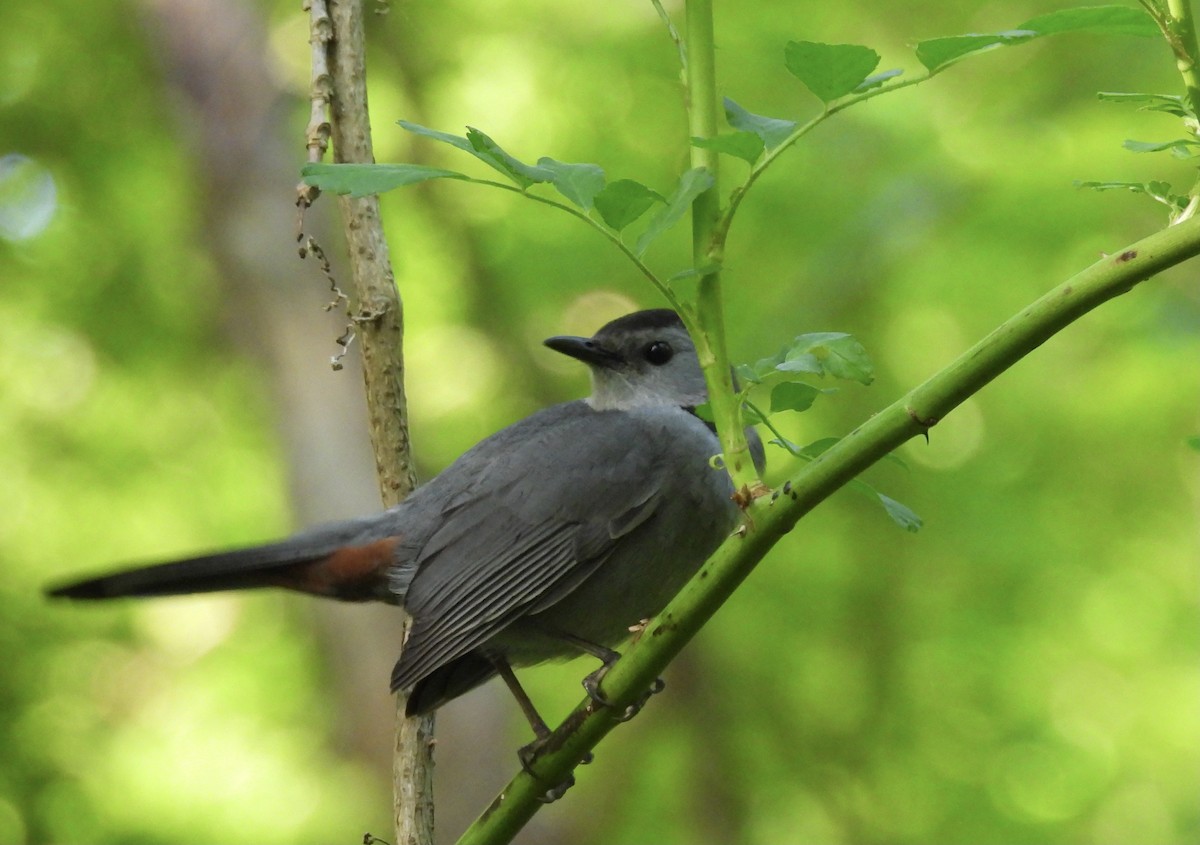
{"x":1024,"y":669}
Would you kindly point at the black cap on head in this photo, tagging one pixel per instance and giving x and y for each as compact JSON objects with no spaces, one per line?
{"x":655,"y":318}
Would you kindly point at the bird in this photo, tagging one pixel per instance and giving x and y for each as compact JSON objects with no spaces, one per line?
{"x":553,"y":538}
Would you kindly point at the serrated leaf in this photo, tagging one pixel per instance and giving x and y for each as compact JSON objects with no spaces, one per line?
{"x":691,"y":272}
{"x":577,"y":182}
{"x":1158,"y":191}
{"x":833,"y":353}
{"x":765,"y":366}
{"x":772,"y":130}
{"x":1159,"y":146}
{"x":829,"y":70}
{"x":623,"y":201}
{"x":793,"y":396}
{"x":845,"y":358}
{"x":360,"y":180}
{"x":877,"y":79}
{"x":747,"y":374}
{"x":744,"y":145}
{"x":486,"y":150}
{"x":691,"y":184}
{"x":901,"y":514}
{"x":936,"y":53}
{"x":1103,"y":20}
{"x":437,"y":135}
{"x":1168,"y":103}
{"x":518,"y":171}
{"x":1135,"y":187}
{"x":801,"y":362}
{"x":784,"y":443}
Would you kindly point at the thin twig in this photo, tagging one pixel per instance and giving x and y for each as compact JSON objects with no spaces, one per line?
{"x":378,"y":320}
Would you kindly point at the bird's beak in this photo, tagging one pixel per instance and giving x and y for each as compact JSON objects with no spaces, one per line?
{"x":583,"y":349}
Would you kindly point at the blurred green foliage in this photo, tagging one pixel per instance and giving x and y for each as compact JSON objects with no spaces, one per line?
{"x":1026,"y":668}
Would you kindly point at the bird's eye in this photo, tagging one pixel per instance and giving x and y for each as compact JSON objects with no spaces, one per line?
{"x":658,"y":353}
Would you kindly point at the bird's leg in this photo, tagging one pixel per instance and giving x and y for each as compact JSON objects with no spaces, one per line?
{"x":540,"y":729}
{"x":607,"y":658}
{"x":528,"y":753}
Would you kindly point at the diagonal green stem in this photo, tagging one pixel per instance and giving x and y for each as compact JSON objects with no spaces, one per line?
{"x":721,"y":232}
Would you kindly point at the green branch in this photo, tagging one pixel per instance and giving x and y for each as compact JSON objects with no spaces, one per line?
{"x":1179,"y":29}
{"x":706,"y":323}
{"x":769,"y":519}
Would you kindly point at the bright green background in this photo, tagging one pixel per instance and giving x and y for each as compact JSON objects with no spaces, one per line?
{"x":1025,"y":669}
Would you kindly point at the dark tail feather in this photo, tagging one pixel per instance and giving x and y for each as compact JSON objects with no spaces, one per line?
{"x":347,"y":572}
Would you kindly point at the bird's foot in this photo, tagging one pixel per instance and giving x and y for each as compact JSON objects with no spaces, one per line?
{"x":528,"y":754}
{"x":592,"y":685}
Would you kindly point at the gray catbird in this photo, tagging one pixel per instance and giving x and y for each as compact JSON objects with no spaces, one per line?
{"x":548,"y":539}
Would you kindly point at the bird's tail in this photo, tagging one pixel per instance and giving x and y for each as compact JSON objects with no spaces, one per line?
{"x":323,"y":563}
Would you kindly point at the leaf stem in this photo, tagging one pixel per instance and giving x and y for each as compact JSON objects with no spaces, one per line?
{"x":674,"y":33}
{"x":721,"y":233}
{"x":611,"y":236}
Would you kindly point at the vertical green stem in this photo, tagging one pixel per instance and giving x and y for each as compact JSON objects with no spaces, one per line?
{"x":702,"y":120}
{"x":1183,"y":42}
{"x":707,"y":324}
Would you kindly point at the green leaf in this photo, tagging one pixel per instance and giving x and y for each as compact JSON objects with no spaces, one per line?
{"x":747,"y":374}
{"x":1157,"y":146}
{"x":833,"y":353}
{"x":936,"y":53}
{"x":691,"y":184}
{"x":518,"y":171}
{"x":817,"y":448}
{"x":744,"y":145}
{"x":623,"y":201}
{"x":766,"y":366}
{"x":486,"y":150}
{"x":1168,"y":103}
{"x":1193,"y":442}
{"x":772,"y":130}
{"x":1101,"y":20}
{"x":577,"y":182}
{"x":1158,"y":191}
{"x":801,"y":362}
{"x":444,"y":137}
{"x":901,"y":514}
{"x":691,"y":272}
{"x":793,"y":396}
{"x":704,"y":412}
{"x":360,"y":180}
{"x":877,"y":79}
{"x":830,"y":70}
{"x":786,"y":444}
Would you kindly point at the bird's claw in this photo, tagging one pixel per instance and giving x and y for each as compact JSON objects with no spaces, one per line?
{"x":528,"y":755}
{"x":552,"y":795}
{"x":591,"y":685}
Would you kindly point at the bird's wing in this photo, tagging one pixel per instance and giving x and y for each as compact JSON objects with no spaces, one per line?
{"x":543,"y":508}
